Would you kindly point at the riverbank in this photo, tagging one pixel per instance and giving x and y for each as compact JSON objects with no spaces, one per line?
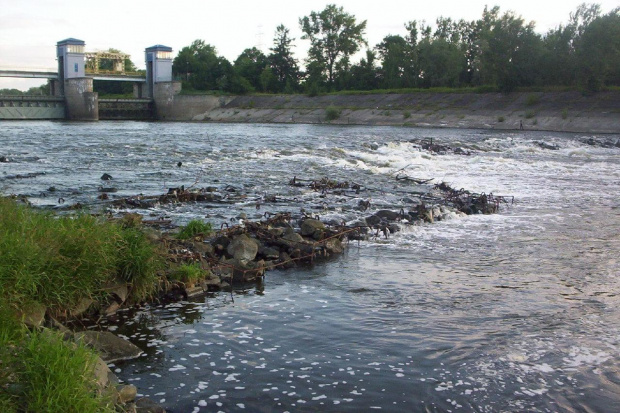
{"x":543,"y":111}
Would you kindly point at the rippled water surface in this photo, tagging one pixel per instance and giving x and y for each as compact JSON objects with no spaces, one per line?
{"x":512,"y":312}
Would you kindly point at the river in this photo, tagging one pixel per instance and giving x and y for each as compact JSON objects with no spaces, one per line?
{"x":517,"y":311}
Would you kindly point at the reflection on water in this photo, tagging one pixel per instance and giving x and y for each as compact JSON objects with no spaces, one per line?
{"x":513,"y":312}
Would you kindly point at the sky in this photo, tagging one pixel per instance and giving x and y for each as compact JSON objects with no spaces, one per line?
{"x":30,"y":29}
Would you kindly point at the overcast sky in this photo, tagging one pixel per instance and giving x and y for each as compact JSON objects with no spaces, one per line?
{"x":29,"y":29}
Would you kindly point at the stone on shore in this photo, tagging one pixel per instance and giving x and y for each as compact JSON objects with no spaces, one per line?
{"x":110,"y":347}
{"x":146,"y":405}
{"x":312,"y":228}
{"x":127,"y":393}
{"x":81,"y":307}
{"x":34,"y":315}
{"x":243,"y":248}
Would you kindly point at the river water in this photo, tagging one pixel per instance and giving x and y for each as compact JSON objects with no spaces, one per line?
{"x":517,"y":311}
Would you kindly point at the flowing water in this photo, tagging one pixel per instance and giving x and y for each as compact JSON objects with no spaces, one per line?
{"x":517,"y":311}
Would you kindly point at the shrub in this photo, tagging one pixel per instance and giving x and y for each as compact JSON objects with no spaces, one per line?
{"x":500,"y":119}
{"x":530,"y":114}
{"x":332,"y":113}
{"x":564,"y":113}
{"x":193,"y":228}
{"x":532,"y":100}
{"x":406,"y":114}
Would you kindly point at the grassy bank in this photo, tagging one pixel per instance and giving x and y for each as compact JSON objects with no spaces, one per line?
{"x":53,"y":263}
{"x":41,"y":372}
{"x":57,"y":261}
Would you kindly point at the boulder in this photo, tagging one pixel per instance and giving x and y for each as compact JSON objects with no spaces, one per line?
{"x":203,"y":248}
{"x":373,"y":220}
{"x":194,"y":291}
{"x":112,"y":308}
{"x":127,"y":393}
{"x":268,"y":252}
{"x":119,"y":289}
{"x":243,"y":270}
{"x":33,"y":315}
{"x":243,"y":248}
{"x":388,"y":215}
{"x":276,"y":232}
{"x":146,"y":405}
{"x":102,"y":374}
{"x":310,"y":227}
{"x":292,"y":237}
{"x":81,"y":307}
{"x":221,"y":243}
{"x":334,"y":246}
{"x":110,"y":347}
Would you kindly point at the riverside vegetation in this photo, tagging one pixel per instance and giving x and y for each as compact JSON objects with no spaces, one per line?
{"x":49,"y":265}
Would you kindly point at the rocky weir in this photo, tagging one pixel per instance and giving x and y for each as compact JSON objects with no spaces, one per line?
{"x":281,"y":233}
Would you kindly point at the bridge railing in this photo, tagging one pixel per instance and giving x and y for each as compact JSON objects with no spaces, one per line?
{"x":32,"y":98}
{"x":114,"y":73}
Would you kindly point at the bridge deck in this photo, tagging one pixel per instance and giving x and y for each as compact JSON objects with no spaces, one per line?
{"x":53,"y":75}
{"x":29,"y":74}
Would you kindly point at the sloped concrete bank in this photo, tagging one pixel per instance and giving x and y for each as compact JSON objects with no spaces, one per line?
{"x":545,"y":111}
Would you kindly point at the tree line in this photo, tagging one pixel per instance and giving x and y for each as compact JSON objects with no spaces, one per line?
{"x":500,"y":51}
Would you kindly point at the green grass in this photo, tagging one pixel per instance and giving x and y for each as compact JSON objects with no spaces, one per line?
{"x":477,"y":89}
{"x":406,"y":114}
{"x":193,"y":228}
{"x":190,"y":273}
{"x":41,"y":372}
{"x":56,"y":261}
{"x":138,"y":263}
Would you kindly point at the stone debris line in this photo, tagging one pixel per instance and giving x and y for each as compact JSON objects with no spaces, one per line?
{"x":245,"y":274}
{"x":472,"y":203}
{"x":278,"y":240}
{"x":326,"y":185}
{"x":427,"y":144}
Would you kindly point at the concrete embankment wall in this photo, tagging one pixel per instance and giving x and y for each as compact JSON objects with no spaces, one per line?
{"x":552,"y":111}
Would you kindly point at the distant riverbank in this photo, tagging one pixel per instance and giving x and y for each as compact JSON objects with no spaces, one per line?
{"x":545,"y":111}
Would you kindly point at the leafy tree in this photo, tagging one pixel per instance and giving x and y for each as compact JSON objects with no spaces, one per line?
{"x":441,"y":63}
{"x":250,"y":65}
{"x":395,"y":53}
{"x":10,"y":92}
{"x":598,"y":51}
{"x":202,"y":69}
{"x":334,"y":36}
{"x":364,"y":75}
{"x":269,"y":81}
{"x":282,"y":62}
{"x":508,"y":51}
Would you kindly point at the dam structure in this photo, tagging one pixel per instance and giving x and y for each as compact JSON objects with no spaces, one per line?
{"x":72,"y":96}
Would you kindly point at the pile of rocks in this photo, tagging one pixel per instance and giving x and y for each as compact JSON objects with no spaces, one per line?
{"x":243,"y":253}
